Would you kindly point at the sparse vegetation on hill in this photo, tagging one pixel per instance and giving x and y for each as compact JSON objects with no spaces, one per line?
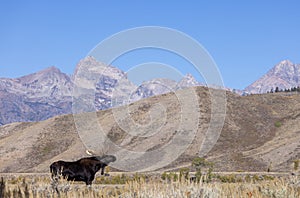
{"x":251,"y":138}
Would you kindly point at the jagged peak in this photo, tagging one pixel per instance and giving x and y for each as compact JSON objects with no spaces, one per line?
{"x":284,"y":75}
{"x":285,"y":62}
{"x":187,"y":81}
{"x":47,"y":71}
{"x":89,"y":59}
{"x":90,"y":63}
{"x":189,"y":76}
{"x":42,"y":74}
{"x":282,"y":66}
{"x":50,"y":69}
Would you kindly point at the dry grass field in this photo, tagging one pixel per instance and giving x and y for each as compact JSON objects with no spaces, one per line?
{"x":149,"y":185}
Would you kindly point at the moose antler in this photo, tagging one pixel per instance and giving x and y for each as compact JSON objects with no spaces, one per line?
{"x":101,"y":153}
{"x":90,"y":152}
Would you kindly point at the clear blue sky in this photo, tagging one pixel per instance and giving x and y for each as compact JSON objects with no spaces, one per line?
{"x":245,"y":38}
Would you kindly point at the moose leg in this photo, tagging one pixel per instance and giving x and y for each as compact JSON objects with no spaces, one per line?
{"x":103,"y":168}
{"x":89,"y":180}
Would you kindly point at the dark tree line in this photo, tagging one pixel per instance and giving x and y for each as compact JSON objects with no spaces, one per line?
{"x":276,"y":90}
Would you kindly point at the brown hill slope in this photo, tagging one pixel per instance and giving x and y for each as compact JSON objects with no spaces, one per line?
{"x":259,"y":130}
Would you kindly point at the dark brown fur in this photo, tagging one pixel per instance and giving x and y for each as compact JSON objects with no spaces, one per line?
{"x":80,"y":170}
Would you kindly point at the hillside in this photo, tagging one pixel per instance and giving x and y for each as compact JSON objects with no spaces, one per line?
{"x":259,"y":130}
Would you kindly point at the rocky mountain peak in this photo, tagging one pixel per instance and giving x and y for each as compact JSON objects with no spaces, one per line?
{"x":47,"y":83}
{"x":284,"y":63}
{"x":109,"y":83}
{"x":283,"y":75}
{"x":89,"y":60}
{"x":91,"y":70}
{"x":51,"y":69}
{"x":284,"y":67}
{"x":89,"y":64}
{"x":49,"y":72}
{"x":36,"y":96}
{"x":187,"y":81}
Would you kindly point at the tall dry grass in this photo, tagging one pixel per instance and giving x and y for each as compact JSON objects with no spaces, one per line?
{"x":138,"y":186}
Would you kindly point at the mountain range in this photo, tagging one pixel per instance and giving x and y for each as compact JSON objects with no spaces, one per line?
{"x":49,"y":92}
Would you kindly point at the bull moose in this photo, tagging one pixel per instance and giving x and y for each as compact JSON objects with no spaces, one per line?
{"x":83,"y":169}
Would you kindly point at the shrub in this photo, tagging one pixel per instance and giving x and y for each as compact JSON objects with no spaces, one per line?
{"x":184,"y":174}
{"x":256,"y":178}
{"x":278,"y":124}
{"x":199,"y":163}
{"x":296,"y":165}
{"x":173,"y":176}
{"x":247,"y":178}
{"x":268,"y":177}
{"x":209,"y":174}
{"x":164,"y":176}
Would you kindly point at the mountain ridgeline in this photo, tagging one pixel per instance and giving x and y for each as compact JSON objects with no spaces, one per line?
{"x":49,"y":92}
